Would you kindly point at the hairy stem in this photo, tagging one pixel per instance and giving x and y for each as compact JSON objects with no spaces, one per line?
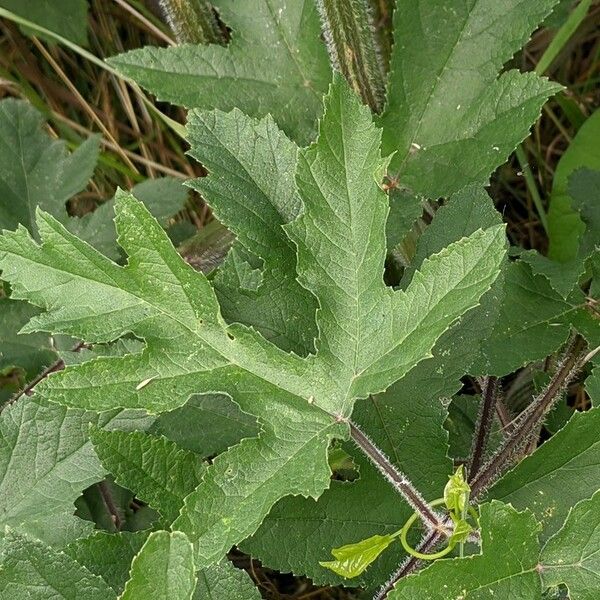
{"x":528,"y":421}
{"x":504,"y":416}
{"x":398,"y":480}
{"x":568,"y":366}
{"x":429,"y":541}
{"x":353,"y":48}
{"x":485,"y":420}
{"x":192,"y":21}
{"x":503,"y":413}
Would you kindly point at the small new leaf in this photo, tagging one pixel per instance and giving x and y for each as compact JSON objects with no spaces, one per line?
{"x":460,"y":533}
{"x":456,"y":492}
{"x":351,"y":560}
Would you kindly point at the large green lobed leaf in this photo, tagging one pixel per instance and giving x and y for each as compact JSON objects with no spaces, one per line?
{"x":370,"y":335}
{"x":410,"y":411}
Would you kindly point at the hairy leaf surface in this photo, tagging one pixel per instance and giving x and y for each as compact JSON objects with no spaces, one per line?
{"x":108,"y":555}
{"x":557,"y":475}
{"x":35,"y":170}
{"x":449,"y":117}
{"x":207,"y":425}
{"x":275,"y":63}
{"x":46,"y":461}
{"x":533,"y":321}
{"x":572,"y":556}
{"x":370,"y":335}
{"x":30,"y":569}
{"x":163,"y":569}
{"x":565,"y":225}
{"x":251,"y":189}
{"x":153,"y":467}
{"x":224,"y":582}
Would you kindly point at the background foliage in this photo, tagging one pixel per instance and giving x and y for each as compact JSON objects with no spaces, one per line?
{"x":85,"y":131}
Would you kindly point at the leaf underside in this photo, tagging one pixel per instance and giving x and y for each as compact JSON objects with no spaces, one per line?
{"x":370,"y":336}
{"x":275,"y":63}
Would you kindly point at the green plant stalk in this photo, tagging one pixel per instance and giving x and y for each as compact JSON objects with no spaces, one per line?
{"x":352,"y":45}
{"x":563,"y":35}
{"x":532,"y":186}
{"x":485,"y":419}
{"x":397,"y":479}
{"x":178,"y":128}
{"x":548,"y":57}
{"x":192,"y":21}
{"x":109,"y":504}
{"x":529,"y":420}
{"x":465,"y":510}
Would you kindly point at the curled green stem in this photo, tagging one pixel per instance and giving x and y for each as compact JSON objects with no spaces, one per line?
{"x":420,"y":555}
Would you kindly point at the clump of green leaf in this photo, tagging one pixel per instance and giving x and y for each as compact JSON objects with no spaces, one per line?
{"x":190,"y":349}
{"x":194,"y":412}
{"x":67,"y":18}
